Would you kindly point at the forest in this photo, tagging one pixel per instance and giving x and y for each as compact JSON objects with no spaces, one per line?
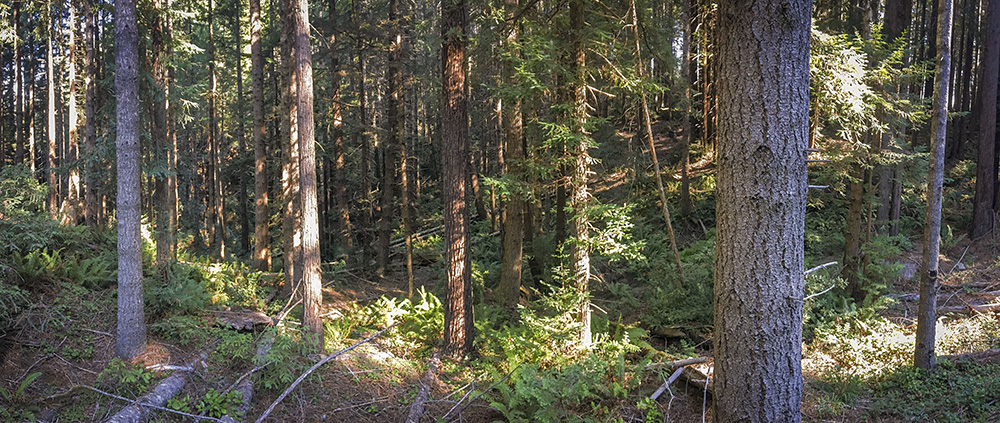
{"x":499,"y":210}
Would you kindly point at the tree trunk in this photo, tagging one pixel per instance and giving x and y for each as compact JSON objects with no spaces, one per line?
{"x":763,"y":89}
{"x":579,"y":196}
{"x":214,"y":146}
{"x":131,"y":339}
{"x":241,"y":136}
{"x":18,"y":87}
{"x":923,"y":356}
{"x":312,"y":296}
{"x":852,"y":237}
{"x":91,"y":206}
{"x":513,"y":223}
{"x":986,"y":173}
{"x":458,"y":319}
{"x":686,"y":128}
{"x":292,"y":219}
{"x":53,"y":200}
{"x":262,"y":243}
{"x":339,"y":162}
{"x":160,"y":135}
{"x":395,"y":125}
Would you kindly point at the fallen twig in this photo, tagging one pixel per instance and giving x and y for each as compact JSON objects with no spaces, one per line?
{"x":666,"y":384}
{"x":316,"y":366}
{"x":676,"y":363}
{"x":417,"y":408}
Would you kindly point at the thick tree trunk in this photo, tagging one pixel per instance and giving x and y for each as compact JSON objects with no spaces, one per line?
{"x":131,"y":339}
{"x":458,"y":319}
{"x":291,"y":221}
{"x":312,"y":296}
{"x":986,"y":173}
{"x":262,"y":243}
{"x":763,"y":132}
{"x":923,"y":356}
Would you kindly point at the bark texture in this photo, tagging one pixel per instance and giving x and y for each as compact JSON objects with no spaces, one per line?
{"x":262,"y":243}
{"x":923,"y":355}
{"x":986,"y":172}
{"x":763,"y":107}
{"x":458,"y":322}
{"x":131,"y":339}
{"x":513,"y":221}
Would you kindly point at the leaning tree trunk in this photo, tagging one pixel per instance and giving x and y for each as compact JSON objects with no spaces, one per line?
{"x":763,"y":133}
{"x":923,"y":356}
{"x":131,"y":339}
{"x":986,"y":174}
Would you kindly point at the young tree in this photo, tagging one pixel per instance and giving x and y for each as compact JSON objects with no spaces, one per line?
{"x":312,"y":296}
{"x":513,"y":221}
{"x":343,"y":209}
{"x":986,"y":174}
{"x":763,"y":126}
{"x":394,"y":121}
{"x":923,"y":355}
{"x":72,"y":207}
{"x":161,"y":104}
{"x":131,"y":339}
{"x":579,"y":196}
{"x":91,"y":210}
{"x":458,"y":322}
{"x":262,"y":250}
{"x":53,"y":199}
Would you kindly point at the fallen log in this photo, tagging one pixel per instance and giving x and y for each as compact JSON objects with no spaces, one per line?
{"x":244,"y":385}
{"x":426,"y":382}
{"x":970,"y":309}
{"x":676,"y":363}
{"x":164,"y":391}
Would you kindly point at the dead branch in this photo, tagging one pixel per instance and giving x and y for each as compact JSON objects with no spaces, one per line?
{"x":676,"y":363}
{"x":417,"y":408}
{"x":666,"y":384}
{"x":166,"y":389}
{"x":460,"y":410}
{"x":316,"y":366}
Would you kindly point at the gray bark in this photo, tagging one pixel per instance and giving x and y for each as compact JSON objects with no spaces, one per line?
{"x":763,"y":125}
{"x":131,"y":339}
{"x":164,"y":391}
{"x":983,"y":216}
{"x":923,"y":356}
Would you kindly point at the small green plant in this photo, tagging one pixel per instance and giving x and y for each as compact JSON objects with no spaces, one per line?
{"x":18,"y":410}
{"x":215,"y":404}
{"x":954,"y":392}
{"x":653,"y":413}
{"x":179,"y":403}
{"x":125,"y":379}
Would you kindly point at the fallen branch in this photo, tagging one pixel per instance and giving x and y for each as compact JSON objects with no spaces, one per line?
{"x":970,"y":309}
{"x":316,"y":366}
{"x":677,"y":363}
{"x":420,"y":402}
{"x":165,"y":390}
{"x":666,"y":384}
{"x":974,"y":356}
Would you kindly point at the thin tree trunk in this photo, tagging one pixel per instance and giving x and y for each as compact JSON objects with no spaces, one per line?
{"x":395,"y":124}
{"x":986,"y":174}
{"x":53,"y":199}
{"x":18,"y":88}
{"x":241,"y":137}
{"x":160,"y":134}
{"x":262,"y":243}
{"x":339,"y":161}
{"x":214,"y":146}
{"x":648,"y":126}
{"x":291,"y":223}
{"x":458,"y":318}
{"x":763,"y":79}
{"x":923,"y":356}
{"x":514,"y":205}
{"x":579,"y":196}
{"x":686,"y":127}
{"x":91,"y":206}
{"x":131,"y":339}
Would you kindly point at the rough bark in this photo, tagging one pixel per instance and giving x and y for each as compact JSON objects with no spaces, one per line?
{"x":131,"y":339}
{"x":312,"y":281}
{"x":241,"y":136}
{"x":986,"y":173}
{"x":291,"y":219}
{"x":686,"y":127}
{"x":852,"y":236}
{"x":458,"y":318}
{"x":343,"y":209}
{"x":923,"y":355}
{"x":262,"y":243}
{"x":163,"y":392}
{"x":395,"y":126}
{"x":161,"y":140}
{"x":514,"y":205}
{"x":763,"y":105}
{"x":217,"y":219}
{"x":53,"y":200}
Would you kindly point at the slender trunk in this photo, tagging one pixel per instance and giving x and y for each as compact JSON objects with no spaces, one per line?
{"x":852,"y":237}
{"x":215,"y":176}
{"x":130,"y":341}
{"x":923,"y":356}
{"x":458,"y":318}
{"x":91,"y":209}
{"x":291,"y":223}
{"x":312,"y":296}
{"x":686,"y":128}
{"x":29,"y":113}
{"x":648,"y":126}
{"x":339,"y":161}
{"x":986,"y":173}
{"x":362,"y":139}
{"x":514,"y":205}
{"x":160,"y":134}
{"x":579,"y":196}
{"x":18,"y":88}
{"x":394,"y":118}
{"x":241,"y":136}
{"x":262,"y":243}
{"x":51,"y":117}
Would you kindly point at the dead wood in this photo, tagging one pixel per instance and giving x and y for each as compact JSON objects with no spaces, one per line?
{"x":244,"y":384}
{"x":316,"y":366}
{"x":676,"y":363}
{"x":241,"y":320}
{"x":978,"y":356}
{"x":426,"y":382}
{"x":970,"y":309}
{"x":165,"y":390}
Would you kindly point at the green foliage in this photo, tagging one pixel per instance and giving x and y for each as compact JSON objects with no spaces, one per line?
{"x":840,"y":390}
{"x":16,"y":407}
{"x":282,"y":364}
{"x":880,"y":270}
{"x":668,"y":301}
{"x":22,"y":197}
{"x":611,"y":234}
{"x":180,"y":403}
{"x":865,"y":344}
{"x":125,"y":379}
{"x":953,"y":392}
{"x":234,"y":284}
{"x":216,"y":404}
{"x":180,"y":328}
{"x":183,"y":293}
{"x":233,"y":347}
